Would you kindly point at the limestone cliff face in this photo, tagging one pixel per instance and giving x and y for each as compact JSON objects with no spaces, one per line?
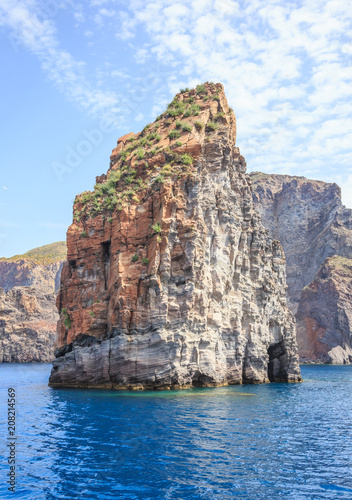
{"x":171,"y":278}
{"x":28,"y":315}
{"x":312,"y":224}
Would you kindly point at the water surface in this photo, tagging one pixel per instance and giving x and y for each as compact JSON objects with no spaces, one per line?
{"x":267,"y":442}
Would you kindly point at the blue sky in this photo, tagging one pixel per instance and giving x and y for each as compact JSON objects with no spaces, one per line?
{"x":78,"y":75}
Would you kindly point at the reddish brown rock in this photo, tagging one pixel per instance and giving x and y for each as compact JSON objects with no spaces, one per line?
{"x":324,"y":316}
{"x":171,"y":280}
{"x":308,"y":218}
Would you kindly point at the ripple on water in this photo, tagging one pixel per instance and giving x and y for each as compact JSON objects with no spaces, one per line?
{"x":269,"y":441}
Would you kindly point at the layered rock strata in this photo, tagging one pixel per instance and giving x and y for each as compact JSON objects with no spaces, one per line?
{"x":310,"y":221}
{"x":28,"y":315}
{"x":171,"y":279}
{"x":324,"y":316}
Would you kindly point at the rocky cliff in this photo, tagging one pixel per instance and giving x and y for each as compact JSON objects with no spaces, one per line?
{"x":171,"y":278}
{"x":310,"y":221}
{"x":324,"y":316}
{"x":28,"y":315}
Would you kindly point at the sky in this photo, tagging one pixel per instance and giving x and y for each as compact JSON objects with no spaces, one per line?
{"x":78,"y":75}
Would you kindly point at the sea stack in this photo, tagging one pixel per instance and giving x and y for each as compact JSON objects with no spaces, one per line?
{"x":171,"y":279}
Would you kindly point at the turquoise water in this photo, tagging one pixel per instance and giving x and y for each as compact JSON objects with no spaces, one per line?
{"x":267,"y":442}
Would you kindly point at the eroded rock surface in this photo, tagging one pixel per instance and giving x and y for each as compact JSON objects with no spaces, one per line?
{"x":171,"y":278}
{"x":324,"y":316}
{"x":310,"y":221}
{"x":28,"y":315}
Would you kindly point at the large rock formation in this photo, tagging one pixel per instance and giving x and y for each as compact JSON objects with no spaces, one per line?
{"x":324,"y":316}
{"x":28,"y":315}
{"x":312,"y":224}
{"x":171,"y":278}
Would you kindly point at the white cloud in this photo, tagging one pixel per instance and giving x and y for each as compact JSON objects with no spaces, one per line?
{"x":4,"y":187}
{"x":141,"y":56}
{"x":30,"y":28}
{"x":98,"y":3}
{"x":4,"y":223}
{"x":118,"y":74}
{"x":104,"y":15}
{"x":78,"y":14}
{"x":126,"y":25}
{"x":285,"y":66}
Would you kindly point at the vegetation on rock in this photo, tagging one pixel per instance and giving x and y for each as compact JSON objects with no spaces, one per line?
{"x":130,"y":179}
{"x":42,"y":255}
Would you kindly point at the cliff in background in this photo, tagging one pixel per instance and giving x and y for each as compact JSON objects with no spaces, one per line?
{"x":171,"y":279}
{"x":310,"y":221}
{"x":324,"y":316}
{"x":28,"y":315}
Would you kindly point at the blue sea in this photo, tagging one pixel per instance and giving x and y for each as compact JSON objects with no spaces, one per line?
{"x":266,"y":441}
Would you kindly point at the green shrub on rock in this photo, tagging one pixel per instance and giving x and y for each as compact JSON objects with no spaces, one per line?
{"x":156,"y":228}
{"x":212,"y":126}
{"x":174,"y":134}
{"x":186,"y":159}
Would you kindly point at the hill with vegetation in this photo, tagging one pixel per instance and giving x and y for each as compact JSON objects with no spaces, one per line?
{"x":42,"y":255}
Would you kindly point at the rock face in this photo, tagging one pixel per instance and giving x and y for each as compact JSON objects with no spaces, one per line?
{"x":171,"y":278}
{"x":28,"y":315}
{"x":324,"y":316}
{"x":312,"y":224}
